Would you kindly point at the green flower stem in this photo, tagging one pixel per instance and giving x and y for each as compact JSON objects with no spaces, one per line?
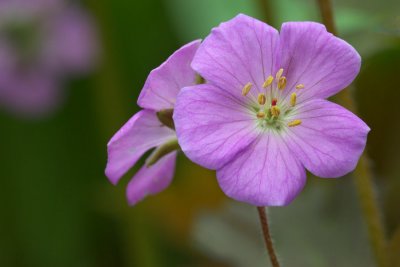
{"x":161,"y":151}
{"x":165,"y":117}
{"x":362,"y":174}
{"x":267,"y":236}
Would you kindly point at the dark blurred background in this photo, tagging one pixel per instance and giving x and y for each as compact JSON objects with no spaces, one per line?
{"x":58,"y":209}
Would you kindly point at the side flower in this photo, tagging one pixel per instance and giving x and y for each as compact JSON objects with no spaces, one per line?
{"x":151,"y":128}
{"x":262,"y":118}
{"x":42,"y":42}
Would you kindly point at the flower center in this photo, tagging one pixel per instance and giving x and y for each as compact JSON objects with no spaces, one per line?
{"x":273,"y":108}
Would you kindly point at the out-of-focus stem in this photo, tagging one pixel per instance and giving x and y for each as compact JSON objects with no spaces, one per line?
{"x":325,"y":8}
{"x":265,"y":6}
{"x":267,"y":236}
{"x":364,"y":183}
{"x":362,"y":174}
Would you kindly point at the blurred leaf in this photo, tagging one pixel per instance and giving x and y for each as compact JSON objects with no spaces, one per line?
{"x":354,"y":20}
{"x":377,"y":97}
{"x":47,"y":173}
{"x":313,"y":231}
{"x":193,"y":19}
{"x":288,"y":10}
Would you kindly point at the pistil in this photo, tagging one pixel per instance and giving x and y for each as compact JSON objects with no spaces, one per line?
{"x":275,"y":111}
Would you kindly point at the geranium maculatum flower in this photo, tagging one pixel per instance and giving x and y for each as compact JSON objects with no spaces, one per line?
{"x":42,"y":42}
{"x":262,"y":119}
{"x":152,"y":127}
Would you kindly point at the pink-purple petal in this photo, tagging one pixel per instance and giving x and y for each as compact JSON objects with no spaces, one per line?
{"x":236,"y":52}
{"x":163,"y":84}
{"x":330,"y":139}
{"x":71,"y":42}
{"x":151,"y":180}
{"x":264,"y":174}
{"x":312,"y":56}
{"x":212,"y":127}
{"x":31,"y":94}
{"x":141,"y":133}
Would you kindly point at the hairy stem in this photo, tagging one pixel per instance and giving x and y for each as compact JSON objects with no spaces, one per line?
{"x":267,"y":236}
{"x":265,"y":6}
{"x":362,"y":174}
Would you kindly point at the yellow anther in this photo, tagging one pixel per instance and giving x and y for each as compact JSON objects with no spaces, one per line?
{"x":300,"y":86}
{"x":294,"y":123}
{"x":261,"y":114}
{"x":261,"y":99}
{"x":275,"y":111}
{"x":282,"y":83}
{"x":268,"y":81}
{"x":279,"y":74}
{"x":293,"y":98}
{"x":246,"y":88}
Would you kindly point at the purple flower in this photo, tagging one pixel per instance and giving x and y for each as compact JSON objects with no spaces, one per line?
{"x":262,"y":117}
{"x":145,"y":130}
{"x":41,"y":43}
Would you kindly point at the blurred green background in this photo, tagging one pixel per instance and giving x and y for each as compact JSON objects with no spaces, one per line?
{"x":58,"y":209}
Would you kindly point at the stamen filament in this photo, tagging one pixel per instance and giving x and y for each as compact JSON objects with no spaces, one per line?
{"x":246,"y":89}
{"x":293,"y":98}
{"x":282,"y":83}
{"x":268,"y":81}
{"x":294,"y":123}
{"x":261,"y":99}
{"x":279,"y":74}
{"x":261,"y":114}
